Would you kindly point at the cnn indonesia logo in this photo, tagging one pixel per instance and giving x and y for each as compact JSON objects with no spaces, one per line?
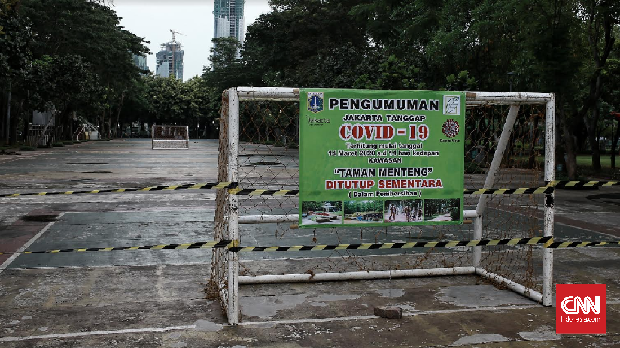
{"x":580,"y":309}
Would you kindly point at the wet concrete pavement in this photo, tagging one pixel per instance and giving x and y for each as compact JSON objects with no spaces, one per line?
{"x":156,"y":298}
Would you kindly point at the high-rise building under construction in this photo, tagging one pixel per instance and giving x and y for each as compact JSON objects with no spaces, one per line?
{"x":170,"y":59}
{"x":229,"y":19}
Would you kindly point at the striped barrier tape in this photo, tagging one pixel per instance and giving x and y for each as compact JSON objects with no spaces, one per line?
{"x":371,"y":246}
{"x":197,"y":245}
{"x":233,"y":246}
{"x":559,"y":245}
{"x":517,"y":191}
{"x":561,"y":184}
{"x":234,"y":189}
{"x":202,"y":186}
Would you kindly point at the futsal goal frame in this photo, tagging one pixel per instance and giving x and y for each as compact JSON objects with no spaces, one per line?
{"x":167,"y":137}
{"x":227,"y":227}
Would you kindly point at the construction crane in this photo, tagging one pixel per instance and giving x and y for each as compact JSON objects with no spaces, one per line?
{"x":174,"y":32}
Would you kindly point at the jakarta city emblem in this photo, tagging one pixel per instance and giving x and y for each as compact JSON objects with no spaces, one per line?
{"x":315,"y":101}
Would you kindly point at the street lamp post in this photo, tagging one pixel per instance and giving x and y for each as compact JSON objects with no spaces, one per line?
{"x":510,"y":74}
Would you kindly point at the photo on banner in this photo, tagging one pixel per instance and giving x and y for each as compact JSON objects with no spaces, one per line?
{"x":378,"y":158}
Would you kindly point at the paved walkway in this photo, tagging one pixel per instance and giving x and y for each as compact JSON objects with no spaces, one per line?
{"x":150,"y":298}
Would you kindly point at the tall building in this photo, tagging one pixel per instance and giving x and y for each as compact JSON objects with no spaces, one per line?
{"x":140,"y":62}
{"x":229,"y":20}
{"x":170,"y":59}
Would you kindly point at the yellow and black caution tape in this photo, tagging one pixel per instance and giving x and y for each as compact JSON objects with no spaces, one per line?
{"x":371,"y":246}
{"x":559,"y":245}
{"x":550,"y":188}
{"x":233,"y":246}
{"x":197,"y":245}
{"x":517,"y":191}
{"x":234,"y":189}
{"x":547,"y":242}
{"x":262,"y":192}
{"x":562,"y":184}
{"x":201,"y":186}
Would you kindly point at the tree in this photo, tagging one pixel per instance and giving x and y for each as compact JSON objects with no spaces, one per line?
{"x":226,"y":69}
{"x":305,"y":43}
{"x":599,"y":17}
{"x":611,"y":96}
{"x":78,"y":59}
{"x":15,"y":58}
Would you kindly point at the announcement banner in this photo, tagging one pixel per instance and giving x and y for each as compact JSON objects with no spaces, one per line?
{"x":381,"y":158}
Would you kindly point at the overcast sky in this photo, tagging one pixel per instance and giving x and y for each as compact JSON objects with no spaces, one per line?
{"x":153,"y":19}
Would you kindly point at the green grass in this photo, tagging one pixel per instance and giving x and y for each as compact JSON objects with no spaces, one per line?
{"x":586,"y":161}
{"x":584,"y":167}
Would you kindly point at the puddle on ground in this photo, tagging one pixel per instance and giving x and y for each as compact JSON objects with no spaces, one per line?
{"x":543,"y":333}
{"x":327,"y":297}
{"x":480,"y":296}
{"x":391,"y":293}
{"x":207,"y":326}
{"x":480,"y":339}
{"x":267,"y":306}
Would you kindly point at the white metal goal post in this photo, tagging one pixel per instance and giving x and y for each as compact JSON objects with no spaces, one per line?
{"x":225,"y":278}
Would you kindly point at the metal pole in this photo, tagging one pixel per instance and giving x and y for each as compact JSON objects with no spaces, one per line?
{"x":490,"y":179}
{"x":268,"y":93}
{"x":516,"y":287}
{"x":233,"y":202}
{"x":549,"y":202}
{"x":359,"y":275}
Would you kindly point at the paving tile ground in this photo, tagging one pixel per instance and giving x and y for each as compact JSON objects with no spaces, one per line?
{"x":157,"y":298}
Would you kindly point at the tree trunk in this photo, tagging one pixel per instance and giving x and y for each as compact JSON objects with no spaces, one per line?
{"x":596,"y":153}
{"x":6,"y":118}
{"x":65,"y":121}
{"x":531,"y":163}
{"x":101,"y":124}
{"x":596,"y":81}
{"x":110,"y":126}
{"x":118,"y":114}
{"x":26,"y":118}
{"x":71,"y":118}
{"x":14,"y":123}
{"x":569,"y":147}
{"x":614,"y":143}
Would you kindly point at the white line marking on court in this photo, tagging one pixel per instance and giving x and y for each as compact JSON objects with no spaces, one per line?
{"x":10,"y":260}
{"x":52,"y":268}
{"x":367,"y":317}
{"x":93,"y":333}
{"x":263,"y":323}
